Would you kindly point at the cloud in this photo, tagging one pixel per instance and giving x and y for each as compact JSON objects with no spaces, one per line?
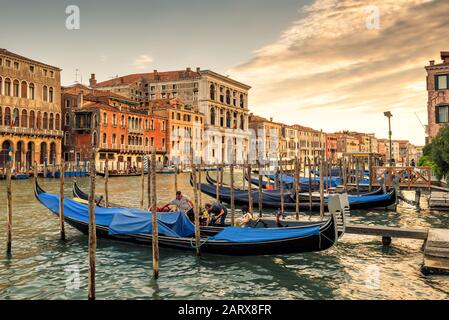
{"x":142,"y":62}
{"x":333,"y":70}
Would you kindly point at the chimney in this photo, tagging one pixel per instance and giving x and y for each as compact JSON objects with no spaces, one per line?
{"x":189,"y":69}
{"x":198,"y":69}
{"x":271,"y":119}
{"x":155,"y":72}
{"x":92,"y":80}
{"x":445,"y":56}
{"x":432,"y":62}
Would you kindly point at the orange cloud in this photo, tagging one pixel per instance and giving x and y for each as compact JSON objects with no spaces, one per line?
{"x":335,"y":70}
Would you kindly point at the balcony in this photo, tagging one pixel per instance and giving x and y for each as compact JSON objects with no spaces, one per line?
{"x":108,"y":146}
{"x":31,"y":131}
{"x":135,"y":131}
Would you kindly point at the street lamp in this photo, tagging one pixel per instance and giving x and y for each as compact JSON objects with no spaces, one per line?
{"x":389,"y":115}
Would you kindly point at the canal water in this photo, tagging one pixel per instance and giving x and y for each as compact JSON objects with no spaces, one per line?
{"x":43,"y":267}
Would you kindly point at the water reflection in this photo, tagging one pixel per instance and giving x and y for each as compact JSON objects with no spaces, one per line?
{"x":43,"y":267}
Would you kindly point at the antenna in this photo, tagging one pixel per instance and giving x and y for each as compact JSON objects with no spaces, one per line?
{"x":425,"y":129}
{"x":76,"y":75}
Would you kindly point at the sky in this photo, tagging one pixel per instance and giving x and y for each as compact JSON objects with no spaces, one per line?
{"x":327,"y":64}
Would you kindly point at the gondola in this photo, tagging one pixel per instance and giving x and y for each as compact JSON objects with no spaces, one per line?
{"x":270,"y":201}
{"x":113,"y":174}
{"x":81,"y":196}
{"x":304,"y":196}
{"x":176,"y":231}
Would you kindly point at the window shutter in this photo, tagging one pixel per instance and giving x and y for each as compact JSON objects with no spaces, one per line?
{"x":436,"y":83}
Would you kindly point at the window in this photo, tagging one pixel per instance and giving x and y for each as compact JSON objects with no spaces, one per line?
{"x":212,"y":116}
{"x":114,"y":139}
{"x":67,"y":119}
{"x":105,"y":118}
{"x":114,"y":119}
{"x":57,"y":122}
{"x":16,"y":65}
{"x":152,"y":125}
{"x":32,"y":91}
{"x":45,"y":93}
{"x":32,"y":121}
{"x":441,"y":82}
{"x":105,"y":138}
{"x":8,"y":63}
{"x":51,"y":122}
{"x":24,"y":90}
{"x":50,"y":95}
{"x":442,"y":115}
{"x":212,"y":92}
{"x":15,"y":88}
{"x":1,"y":86}
{"x":45,"y":72}
{"x":32,"y":69}
{"x":52,"y":74}
{"x":7,"y":87}
{"x":164,"y":87}
{"x":228,"y":97}
{"x":242,"y":102}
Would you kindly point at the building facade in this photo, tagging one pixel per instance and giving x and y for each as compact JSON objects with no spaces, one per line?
{"x":438,"y":95}
{"x":30,"y":112}
{"x":222,"y":100}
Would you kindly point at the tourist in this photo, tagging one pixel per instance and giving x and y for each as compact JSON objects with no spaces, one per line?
{"x":218,"y":212}
{"x":247,"y":217}
{"x":183,"y":204}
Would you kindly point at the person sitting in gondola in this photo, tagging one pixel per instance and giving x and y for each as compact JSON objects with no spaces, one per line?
{"x":204,"y":218}
{"x":279,"y":216}
{"x":247,"y":217}
{"x":217,"y":213}
{"x":183,"y":204}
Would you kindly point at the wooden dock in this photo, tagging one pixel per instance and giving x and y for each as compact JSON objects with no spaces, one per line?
{"x":439,"y":200}
{"x":436,"y":249}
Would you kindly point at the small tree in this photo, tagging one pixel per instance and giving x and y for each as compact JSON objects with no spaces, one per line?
{"x":438,"y":153}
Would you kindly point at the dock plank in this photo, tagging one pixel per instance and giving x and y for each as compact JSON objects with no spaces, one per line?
{"x":392,"y":232}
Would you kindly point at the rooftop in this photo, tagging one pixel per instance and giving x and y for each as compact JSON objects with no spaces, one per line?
{"x":19,"y":57}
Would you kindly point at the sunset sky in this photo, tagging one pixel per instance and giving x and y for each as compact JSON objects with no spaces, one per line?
{"x":316,"y":63}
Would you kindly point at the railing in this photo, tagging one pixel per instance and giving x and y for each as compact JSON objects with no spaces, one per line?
{"x":408,"y":176}
{"x":135,"y":131}
{"x":34,"y":131}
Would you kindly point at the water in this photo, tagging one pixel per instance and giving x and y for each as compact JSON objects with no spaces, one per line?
{"x":43,"y":267}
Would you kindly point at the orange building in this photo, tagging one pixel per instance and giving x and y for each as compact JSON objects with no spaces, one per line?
{"x":185,"y":128}
{"x":121,"y":132}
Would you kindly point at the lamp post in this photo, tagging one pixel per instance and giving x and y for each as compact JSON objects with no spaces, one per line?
{"x":389,"y":115}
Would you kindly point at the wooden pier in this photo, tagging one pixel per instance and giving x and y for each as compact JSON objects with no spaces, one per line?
{"x":439,"y":200}
{"x":436,"y":248}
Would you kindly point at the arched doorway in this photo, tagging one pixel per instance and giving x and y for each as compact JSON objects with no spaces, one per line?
{"x":53,"y":153}
{"x":30,"y":155}
{"x":18,"y":155}
{"x":4,"y":153}
{"x":43,"y":153}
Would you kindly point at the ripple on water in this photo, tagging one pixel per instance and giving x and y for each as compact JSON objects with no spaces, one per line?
{"x":43,"y":267}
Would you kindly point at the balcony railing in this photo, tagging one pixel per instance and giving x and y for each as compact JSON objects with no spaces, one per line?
{"x":31,"y":131}
{"x":135,"y":131}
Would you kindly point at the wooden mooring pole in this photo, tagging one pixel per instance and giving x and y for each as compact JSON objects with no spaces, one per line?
{"x":281,"y":171}
{"x":322,"y":165}
{"x":153,"y":204}
{"x":176,"y":177}
{"x":259,"y":195}
{"x":196,"y":210}
{"x":9,"y":209}
{"x":106,"y":184}
{"x":61,"y":200}
{"x":92,"y":231}
{"x":142,"y":186}
{"x":310,"y":182}
{"x":250,"y":195}
{"x":231,"y":169}
{"x":296,"y":184}
{"x":149,"y":182}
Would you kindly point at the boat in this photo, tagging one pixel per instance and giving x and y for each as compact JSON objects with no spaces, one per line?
{"x":272,"y":200}
{"x":20,"y":176}
{"x":176,"y":231}
{"x":112,"y":174}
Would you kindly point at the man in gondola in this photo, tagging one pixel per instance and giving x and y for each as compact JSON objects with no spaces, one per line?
{"x":183,"y":204}
{"x":217,"y":213}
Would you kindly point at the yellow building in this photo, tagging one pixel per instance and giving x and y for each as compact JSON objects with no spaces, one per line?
{"x":30,"y":111}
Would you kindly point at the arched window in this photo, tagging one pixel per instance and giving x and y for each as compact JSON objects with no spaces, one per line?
{"x":45,"y":121}
{"x":7,"y":87}
{"x":24,"y":122}
{"x":242,"y":102}
{"x":122,"y":121}
{"x":39,"y":120}
{"x":15,"y":88}
{"x":32,"y":119}
{"x":1,"y":116}
{"x":228,"y":97}
{"x":105,"y":138}
{"x":57,"y":122}
{"x":114,"y":140}
{"x":228,"y":119}
{"x":24,"y":90}
{"x":242,"y":122}
{"x":50,"y":94}
{"x":105,"y":118}
{"x":66,"y":138}
{"x":212,"y":92}
{"x":122,"y":139}
{"x":146,"y":141}
{"x":67,"y":119}
{"x":16,"y":117}
{"x":94,"y":139}
{"x":7,"y":116}
{"x":45,"y":93}
{"x":212,"y":116}
{"x":1,"y":85}
{"x":51,"y":123}
{"x":32,"y":92}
